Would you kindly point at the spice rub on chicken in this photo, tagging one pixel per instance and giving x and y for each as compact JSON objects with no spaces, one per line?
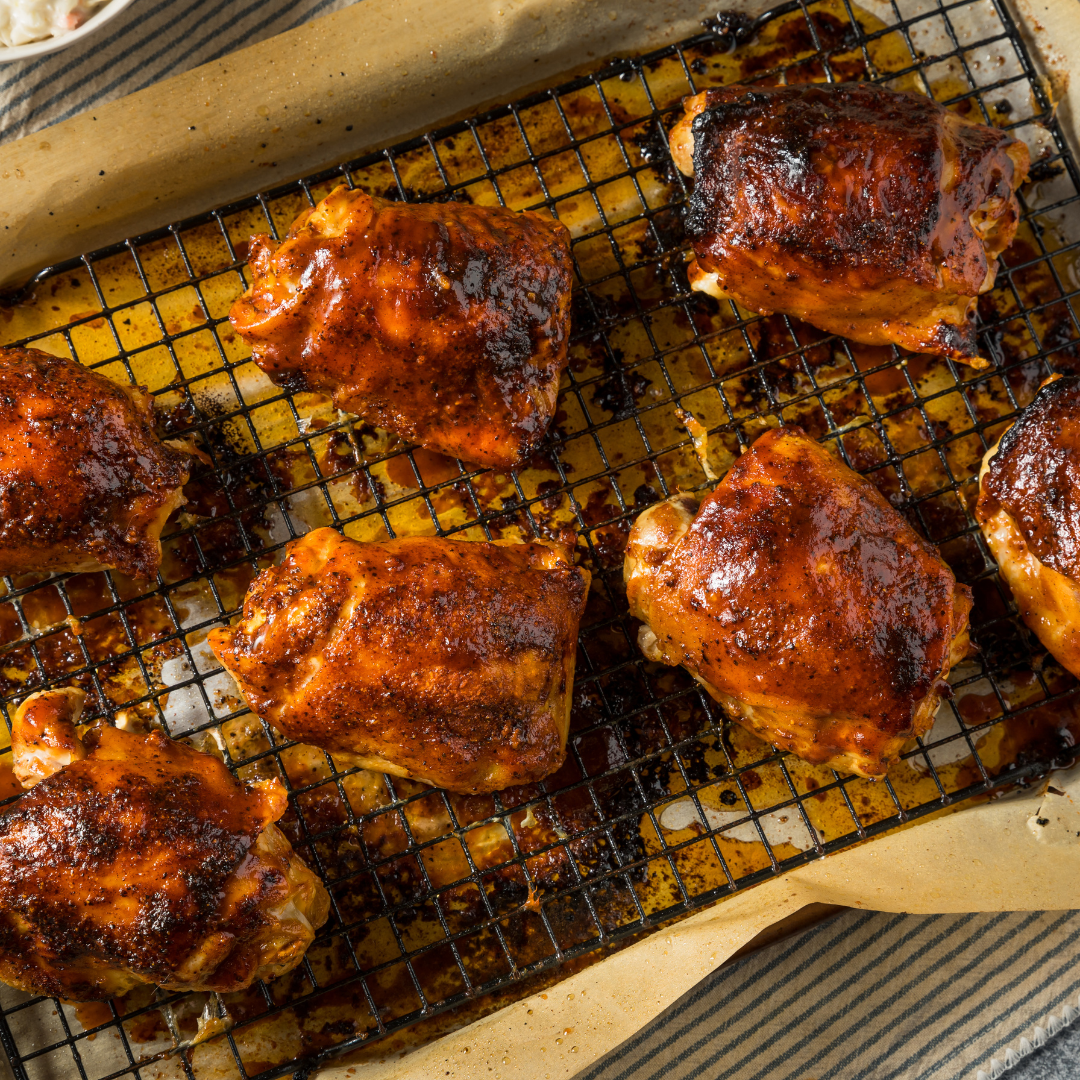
{"x":803,"y":603}
{"x":135,"y":859}
{"x":447,"y":661}
{"x":871,"y":214}
{"x":85,"y":483}
{"x":443,"y":322}
{"x":1029,"y":512}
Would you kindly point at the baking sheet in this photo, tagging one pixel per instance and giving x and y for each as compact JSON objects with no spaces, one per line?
{"x":148,"y":145}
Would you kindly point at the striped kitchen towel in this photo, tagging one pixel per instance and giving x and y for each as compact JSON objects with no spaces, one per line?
{"x":150,"y":40}
{"x":874,"y":996}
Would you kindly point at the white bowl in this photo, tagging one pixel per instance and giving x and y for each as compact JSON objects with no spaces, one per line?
{"x":9,"y":53}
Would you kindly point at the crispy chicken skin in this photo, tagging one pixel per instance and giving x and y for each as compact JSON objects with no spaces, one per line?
{"x":868,"y":213}
{"x":43,"y":734}
{"x":139,"y":860}
{"x":442,"y":322}
{"x":803,"y":603}
{"x":84,"y":482}
{"x":447,"y":661}
{"x":1029,"y":511}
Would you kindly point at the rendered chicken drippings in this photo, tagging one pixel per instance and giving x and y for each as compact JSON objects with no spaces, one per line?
{"x":803,"y":602}
{"x":447,"y":661}
{"x":445,"y":323}
{"x":868,"y":213}
{"x":1029,"y":511}
{"x":84,"y":481}
{"x":142,"y":861}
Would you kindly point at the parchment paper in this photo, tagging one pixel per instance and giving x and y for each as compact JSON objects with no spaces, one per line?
{"x":250,"y":121}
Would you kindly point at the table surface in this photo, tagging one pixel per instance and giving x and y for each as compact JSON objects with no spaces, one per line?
{"x":818,"y":993}
{"x":1058,"y":1060}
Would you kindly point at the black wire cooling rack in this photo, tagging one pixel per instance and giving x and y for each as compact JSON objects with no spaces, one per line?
{"x":441,"y":901}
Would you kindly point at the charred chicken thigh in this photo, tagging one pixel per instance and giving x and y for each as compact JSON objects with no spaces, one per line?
{"x":447,"y":661}
{"x":1029,"y":511}
{"x":136,"y":859}
{"x":445,"y":323}
{"x":803,"y":603}
{"x":84,"y":481}
{"x":868,"y":213}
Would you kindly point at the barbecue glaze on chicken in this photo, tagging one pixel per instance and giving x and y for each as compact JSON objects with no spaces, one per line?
{"x":445,"y":323}
{"x":136,"y":859}
{"x":84,"y":481}
{"x":1029,"y":511}
{"x":803,"y":603}
{"x":447,"y":661}
{"x":868,"y":213}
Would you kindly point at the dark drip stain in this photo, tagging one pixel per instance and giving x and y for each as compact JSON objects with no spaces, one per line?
{"x":731,"y":27}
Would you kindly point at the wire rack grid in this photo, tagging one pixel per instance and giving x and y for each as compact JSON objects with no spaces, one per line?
{"x":440,"y":902}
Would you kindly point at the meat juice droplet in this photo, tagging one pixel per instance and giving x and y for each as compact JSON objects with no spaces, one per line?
{"x":9,"y":786}
{"x":92,"y":1014}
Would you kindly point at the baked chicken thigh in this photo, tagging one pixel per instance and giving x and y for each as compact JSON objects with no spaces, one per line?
{"x":803,"y":603}
{"x":1029,"y":511}
{"x":445,"y":323}
{"x":446,"y":661}
{"x":868,"y":213}
{"x":84,"y":481}
{"x":136,"y":859}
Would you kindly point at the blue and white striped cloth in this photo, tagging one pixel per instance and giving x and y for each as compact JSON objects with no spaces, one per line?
{"x":876,"y":996}
{"x":149,"y":41}
{"x":873,"y":996}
